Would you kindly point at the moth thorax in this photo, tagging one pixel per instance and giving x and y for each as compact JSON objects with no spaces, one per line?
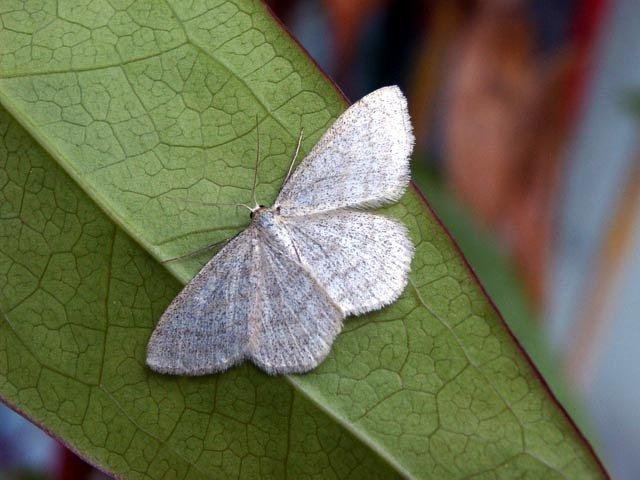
{"x":263,"y":217}
{"x":267,"y":220}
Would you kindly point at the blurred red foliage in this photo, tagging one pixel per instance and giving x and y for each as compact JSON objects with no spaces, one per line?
{"x":510,"y":112}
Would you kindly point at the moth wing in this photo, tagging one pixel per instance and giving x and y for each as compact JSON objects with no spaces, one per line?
{"x":298,"y":321}
{"x":361,"y":160}
{"x":251,"y":301}
{"x":361,"y":259}
{"x":204,"y":329}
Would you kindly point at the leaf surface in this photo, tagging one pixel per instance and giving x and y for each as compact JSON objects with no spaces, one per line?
{"x":119,"y":117}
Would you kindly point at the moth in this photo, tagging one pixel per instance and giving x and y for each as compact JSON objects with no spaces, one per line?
{"x":278,"y":292}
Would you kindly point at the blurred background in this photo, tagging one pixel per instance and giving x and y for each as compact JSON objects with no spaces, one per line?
{"x":526,"y":117}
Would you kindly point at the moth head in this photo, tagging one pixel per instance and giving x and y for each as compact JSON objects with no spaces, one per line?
{"x":259,"y":208}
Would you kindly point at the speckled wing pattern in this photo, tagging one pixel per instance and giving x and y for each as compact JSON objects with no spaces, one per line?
{"x":361,"y":259}
{"x":204,"y":329}
{"x":278,"y":292}
{"x":360,"y":161}
{"x":298,"y":321}
{"x":240,"y":306}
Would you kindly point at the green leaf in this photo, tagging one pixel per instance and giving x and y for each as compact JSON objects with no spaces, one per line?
{"x":120,"y":115}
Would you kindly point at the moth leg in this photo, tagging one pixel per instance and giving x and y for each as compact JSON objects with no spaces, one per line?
{"x":211,"y":204}
{"x":211,"y":246}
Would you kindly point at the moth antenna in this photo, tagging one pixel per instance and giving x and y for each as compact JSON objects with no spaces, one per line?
{"x":295,"y":156}
{"x":255,"y":171}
